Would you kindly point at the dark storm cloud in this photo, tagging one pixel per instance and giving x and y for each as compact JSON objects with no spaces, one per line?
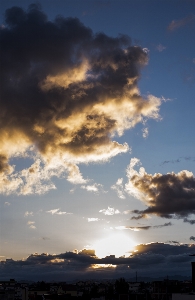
{"x":53,"y":73}
{"x":67,"y":266}
{"x":65,"y":90}
{"x":166,"y":195}
{"x":175,"y":24}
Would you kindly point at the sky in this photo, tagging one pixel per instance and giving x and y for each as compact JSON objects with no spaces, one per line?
{"x":97,"y":138}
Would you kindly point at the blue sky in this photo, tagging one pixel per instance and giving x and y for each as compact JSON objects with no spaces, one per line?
{"x":65,"y":182}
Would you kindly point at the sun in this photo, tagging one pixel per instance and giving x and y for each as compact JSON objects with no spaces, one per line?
{"x":117,"y":244}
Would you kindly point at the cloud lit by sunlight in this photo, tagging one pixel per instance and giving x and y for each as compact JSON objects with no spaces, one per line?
{"x":86,"y":96}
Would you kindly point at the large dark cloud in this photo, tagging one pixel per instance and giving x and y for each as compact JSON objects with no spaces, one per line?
{"x":166,"y":195}
{"x":65,"y":90}
{"x":158,"y":259}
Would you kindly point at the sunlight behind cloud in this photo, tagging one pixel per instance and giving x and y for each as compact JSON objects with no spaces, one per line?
{"x":118,"y":244}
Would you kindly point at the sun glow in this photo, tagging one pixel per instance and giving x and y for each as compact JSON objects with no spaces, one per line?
{"x":101,"y":266}
{"x":118,"y":244}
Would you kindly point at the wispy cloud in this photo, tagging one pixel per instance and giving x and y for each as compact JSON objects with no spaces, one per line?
{"x":28,"y":213}
{"x":138,"y":228}
{"x":145,"y":132}
{"x":31,"y":224}
{"x":32,"y":227}
{"x":92,"y":219}
{"x":160,"y":47}
{"x":57,"y":211}
{"x":119,"y":188}
{"x":178,"y":160}
{"x":96,"y":187}
{"x":174,"y":242}
{"x":7,"y":203}
{"x":176,"y":24}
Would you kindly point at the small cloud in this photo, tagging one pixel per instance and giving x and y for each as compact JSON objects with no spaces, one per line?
{"x":160,"y":47}
{"x":92,"y":219}
{"x":7,"y":203}
{"x":28,"y":213}
{"x":145,"y":132}
{"x":57,"y":211}
{"x":165,"y":99}
{"x":146,"y":50}
{"x":32,"y":227}
{"x":126,"y":212}
{"x":30,"y":222}
{"x":92,"y":188}
{"x":53,"y":211}
{"x":175,"y":24}
{"x":178,"y":160}
{"x":109,"y":211}
{"x":119,"y":188}
{"x":192,"y":238}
